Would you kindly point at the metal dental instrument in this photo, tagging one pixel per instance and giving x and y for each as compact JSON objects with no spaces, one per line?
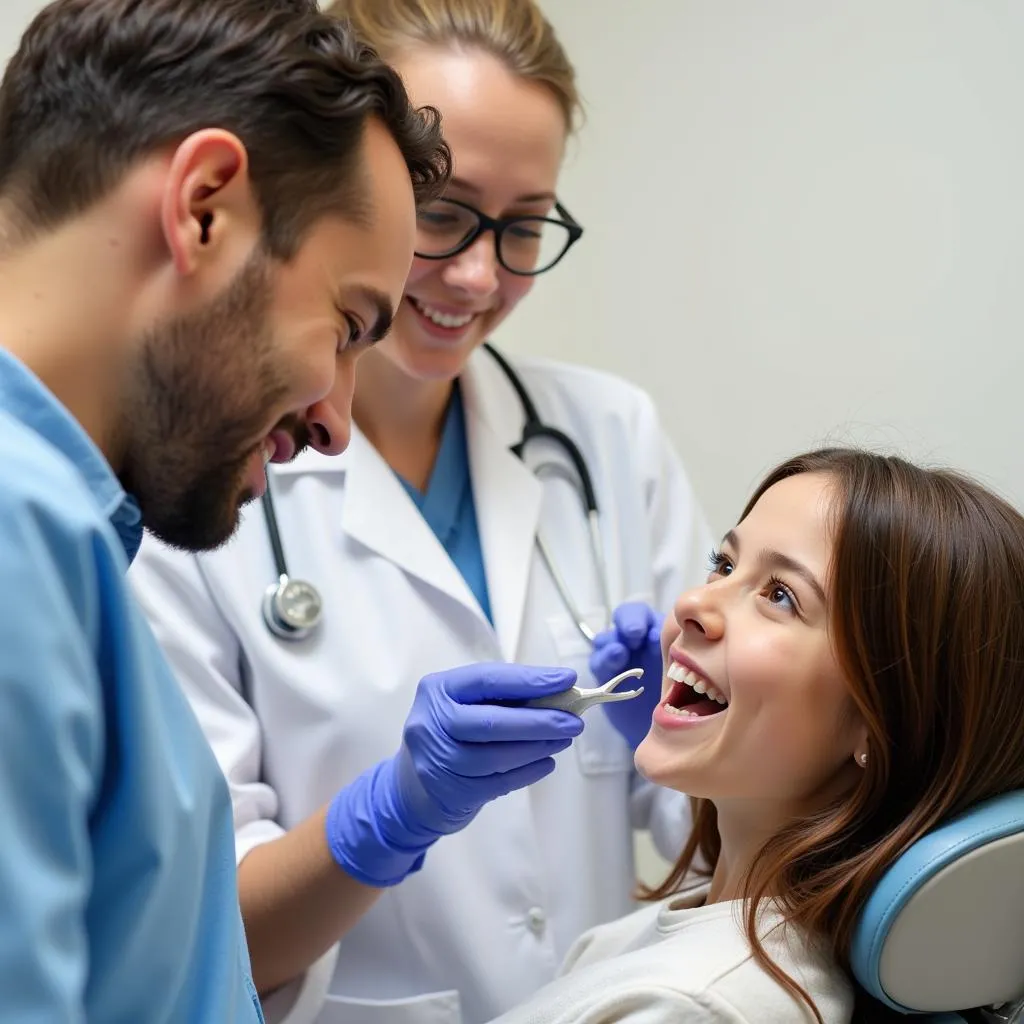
{"x":576,"y":700}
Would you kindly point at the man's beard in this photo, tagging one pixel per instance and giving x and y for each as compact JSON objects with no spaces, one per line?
{"x":200,"y":394}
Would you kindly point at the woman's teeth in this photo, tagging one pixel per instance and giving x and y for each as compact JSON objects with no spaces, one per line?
{"x":443,"y":319}
{"x":267,"y":450}
{"x":681,"y":712}
{"x":678,"y":674}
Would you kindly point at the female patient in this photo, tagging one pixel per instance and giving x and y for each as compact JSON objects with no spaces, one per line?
{"x":851,"y":674}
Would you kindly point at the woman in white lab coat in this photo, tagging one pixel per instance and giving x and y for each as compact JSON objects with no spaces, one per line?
{"x":421,"y":540}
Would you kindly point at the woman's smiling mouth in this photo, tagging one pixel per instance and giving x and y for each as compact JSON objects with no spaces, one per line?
{"x":691,"y":695}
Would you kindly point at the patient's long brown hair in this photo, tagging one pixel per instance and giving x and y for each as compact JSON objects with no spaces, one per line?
{"x":927,"y":623}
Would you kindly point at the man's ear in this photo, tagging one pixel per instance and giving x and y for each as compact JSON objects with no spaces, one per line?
{"x":208,"y":203}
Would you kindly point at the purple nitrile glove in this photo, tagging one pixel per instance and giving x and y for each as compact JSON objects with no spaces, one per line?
{"x":460,"y":749}
{"x":634,"y":641}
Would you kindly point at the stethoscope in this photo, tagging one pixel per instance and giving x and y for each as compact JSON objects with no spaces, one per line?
{"x":293,"y":609}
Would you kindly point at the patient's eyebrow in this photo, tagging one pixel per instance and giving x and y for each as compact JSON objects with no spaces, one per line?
{"x":773,"y":559}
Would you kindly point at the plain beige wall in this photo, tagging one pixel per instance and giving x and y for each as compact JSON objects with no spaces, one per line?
{"x":14,"y":18}
{"x":804,"y":220}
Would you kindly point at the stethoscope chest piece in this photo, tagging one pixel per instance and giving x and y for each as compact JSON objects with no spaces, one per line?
{"x":291,"y":608}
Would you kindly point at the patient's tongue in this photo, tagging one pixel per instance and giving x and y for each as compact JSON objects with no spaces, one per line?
{"x":705,"y":706}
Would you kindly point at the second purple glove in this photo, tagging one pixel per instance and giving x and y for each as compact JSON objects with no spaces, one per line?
{"x":634,"y":641}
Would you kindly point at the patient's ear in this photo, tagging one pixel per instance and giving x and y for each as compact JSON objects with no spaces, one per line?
{"x":861,"y":747}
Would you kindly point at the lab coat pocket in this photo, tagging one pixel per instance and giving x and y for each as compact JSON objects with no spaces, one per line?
{"x":600,"y":750}
{"x":433,"y":1008}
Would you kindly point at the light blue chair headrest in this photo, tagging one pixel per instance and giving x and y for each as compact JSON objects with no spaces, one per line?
{"x":944,"y":928}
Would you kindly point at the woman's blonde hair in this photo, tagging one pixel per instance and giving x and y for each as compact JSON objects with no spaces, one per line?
{"x":927,"y":622}
{"x":514,"y":31}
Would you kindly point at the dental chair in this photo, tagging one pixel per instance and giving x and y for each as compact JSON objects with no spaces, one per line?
{"x":943,"y":933}
{"x":941,"y":937}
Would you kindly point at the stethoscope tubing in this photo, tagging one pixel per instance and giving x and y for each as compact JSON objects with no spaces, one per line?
{"x":275,"y":612}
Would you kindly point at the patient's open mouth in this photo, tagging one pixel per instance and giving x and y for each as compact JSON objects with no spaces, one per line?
{"x":691,"y":695}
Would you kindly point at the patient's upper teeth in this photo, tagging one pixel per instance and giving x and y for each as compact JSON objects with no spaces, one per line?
{"x":268,"y":449}
{"x":678,"y":674}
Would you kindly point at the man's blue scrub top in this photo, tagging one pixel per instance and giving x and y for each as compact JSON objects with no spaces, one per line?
{"x":118,"y":898}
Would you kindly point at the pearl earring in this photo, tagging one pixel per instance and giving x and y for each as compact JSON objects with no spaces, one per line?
{"x":863,"y":759}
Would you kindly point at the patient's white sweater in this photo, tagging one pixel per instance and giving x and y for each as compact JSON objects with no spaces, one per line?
{"x":679,"y":962}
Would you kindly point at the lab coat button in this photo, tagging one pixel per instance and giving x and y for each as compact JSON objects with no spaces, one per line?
{"x":536,"y":920}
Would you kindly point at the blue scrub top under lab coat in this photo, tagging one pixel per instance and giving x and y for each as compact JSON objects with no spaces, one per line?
{"x":448,"y":505}
{"x":118,"y":898}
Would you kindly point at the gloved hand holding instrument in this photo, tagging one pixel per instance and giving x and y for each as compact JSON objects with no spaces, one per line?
{"x":474,"y":733}
{"x":467,"y":740}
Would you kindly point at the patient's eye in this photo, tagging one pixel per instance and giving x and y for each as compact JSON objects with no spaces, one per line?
{"x":719,"y":564}
{"x":780,"y":595}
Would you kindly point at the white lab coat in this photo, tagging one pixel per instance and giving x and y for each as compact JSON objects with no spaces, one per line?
{"x":494,"y":910}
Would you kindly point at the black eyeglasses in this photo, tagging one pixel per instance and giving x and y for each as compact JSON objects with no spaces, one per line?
{"x":524,"y":245}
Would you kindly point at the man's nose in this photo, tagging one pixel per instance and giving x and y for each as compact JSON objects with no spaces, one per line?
{"x":328,"y":429}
